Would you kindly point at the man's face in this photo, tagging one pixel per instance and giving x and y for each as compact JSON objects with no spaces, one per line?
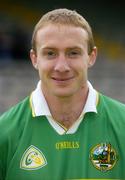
{"x":62,"y":59}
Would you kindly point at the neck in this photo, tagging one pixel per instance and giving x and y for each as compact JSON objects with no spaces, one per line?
{"x":66,"y":110}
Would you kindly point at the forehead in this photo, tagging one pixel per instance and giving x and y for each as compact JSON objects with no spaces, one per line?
{"x":61,"y":34}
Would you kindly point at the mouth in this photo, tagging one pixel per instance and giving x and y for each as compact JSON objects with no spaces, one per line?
{"x":62,"y":79}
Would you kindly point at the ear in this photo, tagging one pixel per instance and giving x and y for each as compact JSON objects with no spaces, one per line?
{"x":33,"y":58}
{"x":92,"y":57}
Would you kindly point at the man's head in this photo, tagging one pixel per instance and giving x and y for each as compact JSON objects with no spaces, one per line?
{"x":62,"y":51}
{"x":64,"y":17}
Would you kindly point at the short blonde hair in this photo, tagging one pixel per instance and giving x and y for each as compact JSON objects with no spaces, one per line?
{"x":64,"y":17}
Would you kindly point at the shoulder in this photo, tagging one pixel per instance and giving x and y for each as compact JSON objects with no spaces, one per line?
{"x":14,"y":111}
{"x":111,"y":108}
{"x":112,"y":103}
{"x":11,"y":121}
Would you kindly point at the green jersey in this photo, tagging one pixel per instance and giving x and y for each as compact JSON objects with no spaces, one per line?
{"x":30,"y":149}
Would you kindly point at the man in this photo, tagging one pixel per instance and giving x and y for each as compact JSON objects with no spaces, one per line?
{"x":65,"y":129}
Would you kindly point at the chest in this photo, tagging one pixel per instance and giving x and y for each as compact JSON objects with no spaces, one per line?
{"x":92,"y":152}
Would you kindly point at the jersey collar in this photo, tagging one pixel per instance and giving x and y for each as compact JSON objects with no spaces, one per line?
{"x":38,"y":102}
{"x":40,"y":108}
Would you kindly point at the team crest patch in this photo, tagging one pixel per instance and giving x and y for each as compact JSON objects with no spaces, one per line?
{"x":103,"y":156}
{"x":32,"y":159}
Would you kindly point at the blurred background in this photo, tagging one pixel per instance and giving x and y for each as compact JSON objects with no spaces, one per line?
{"x":17,"y":20}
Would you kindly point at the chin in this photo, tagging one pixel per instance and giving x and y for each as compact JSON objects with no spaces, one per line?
{"x":63,"y":94}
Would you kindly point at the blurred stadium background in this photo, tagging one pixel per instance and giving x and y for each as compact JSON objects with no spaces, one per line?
{"x":17,"y":20}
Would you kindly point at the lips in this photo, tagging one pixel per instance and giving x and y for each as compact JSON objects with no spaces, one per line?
{"x":62,"y":79}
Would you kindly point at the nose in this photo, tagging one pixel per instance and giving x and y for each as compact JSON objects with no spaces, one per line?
{"x":62,"y":64}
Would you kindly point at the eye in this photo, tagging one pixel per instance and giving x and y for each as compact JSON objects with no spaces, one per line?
{"x":73,"y":53}
{"x":49,"y":54}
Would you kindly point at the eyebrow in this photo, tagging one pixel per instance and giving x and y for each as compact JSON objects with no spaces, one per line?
{"x":48,"y":48}
{"x":54,"y":48}
{"x":75,"y":47}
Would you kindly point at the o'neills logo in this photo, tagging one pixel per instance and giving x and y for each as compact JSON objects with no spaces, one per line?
{"x":103,"y":156}
{"x":67,"y":145}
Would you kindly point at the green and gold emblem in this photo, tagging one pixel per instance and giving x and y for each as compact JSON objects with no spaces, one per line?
{"x":32,"y":159}
{"x":103,"y":156}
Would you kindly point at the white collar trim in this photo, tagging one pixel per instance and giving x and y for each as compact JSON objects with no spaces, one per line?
{"x":40,"y":108}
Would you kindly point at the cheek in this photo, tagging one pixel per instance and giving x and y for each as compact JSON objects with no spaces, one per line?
{"x":44,"y":68}
{"x":82,"y":70}
{"x":80,"y":66}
